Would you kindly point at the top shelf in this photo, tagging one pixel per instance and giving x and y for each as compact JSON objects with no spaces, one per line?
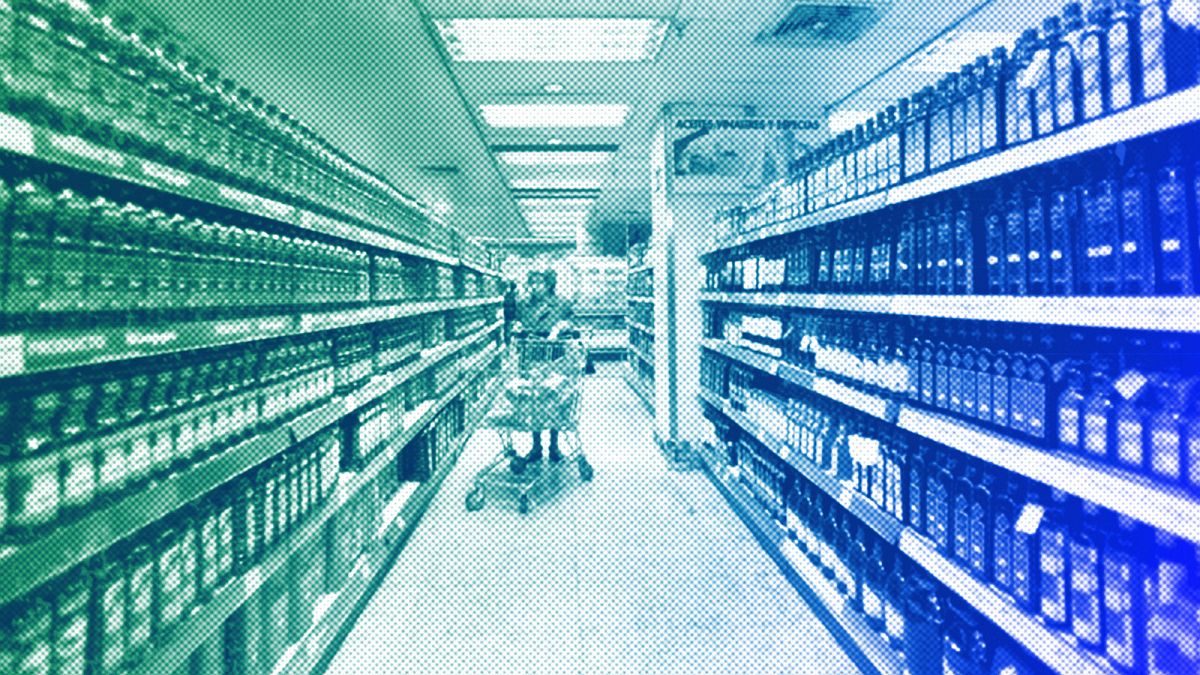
{"x":22,"y":138}
{"x":1156,"y":116}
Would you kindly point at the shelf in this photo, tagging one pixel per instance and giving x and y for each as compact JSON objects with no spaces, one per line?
{"x":864,"y":509}
{"x":644,"y":394}
{"x":867,"y":403}
{"x":51,"y":349}
{"x":807,"y":579}
{"x":640,"y":299}
{"x":1045,"y":644}
{"x":648,"y":358}
{"x":22,"y":138}
{"x":207,"y":618}
{"x":1165,"y":113}
{"x":405,"y":510}
{"x":642,"y":327}
{"x":1134,"y":313}
{"x":1145,"y":499}
{"x":26,"y":567}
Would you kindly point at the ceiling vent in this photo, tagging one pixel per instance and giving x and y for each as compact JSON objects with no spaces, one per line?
{"x":823,"y":23}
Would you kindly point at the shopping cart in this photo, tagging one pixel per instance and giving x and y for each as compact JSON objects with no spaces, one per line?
{"x":541,"y":393}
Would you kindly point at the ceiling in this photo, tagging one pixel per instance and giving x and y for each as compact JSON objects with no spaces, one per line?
{"x":374,"y":77}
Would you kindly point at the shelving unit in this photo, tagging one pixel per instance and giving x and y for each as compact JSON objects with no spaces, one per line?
{"x":414,"y":498}
{"x":1000,"y":451}
{"x":639,"y":300}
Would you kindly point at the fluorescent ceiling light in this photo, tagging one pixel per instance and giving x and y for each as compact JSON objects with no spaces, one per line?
{"x":553,"y":88}
{"x":846,"y":120}
{"x":552,"y":115}
{"x":952,"y":51}
{"x":552,"y":39}
{"x":555,"y":141}
{"x":541,"y":157}
{"x":550,"y":204}
{"x":556,"y":184}
{"x":553,"y":217}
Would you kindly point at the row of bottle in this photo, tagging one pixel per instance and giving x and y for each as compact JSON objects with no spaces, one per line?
{"x":640,"y":284}
{"x":937,"y":631}
{"x":1118,"y":222}
{"x":88,"y":436}
{"x":71,"y":252}
{"x":1122,"y":398}
{"x":73,"y":71}
{"x":1079,"y":68}
{"x":107,"y":615}
{"x":1120,"y":588}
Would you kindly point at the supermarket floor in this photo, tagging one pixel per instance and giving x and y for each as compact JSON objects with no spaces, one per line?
{"x":642,"y":570}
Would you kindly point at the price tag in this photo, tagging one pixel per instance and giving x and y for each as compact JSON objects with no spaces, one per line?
{"x":1030,"y":519}
{"x":1129,"y":384}
{"x":864,"y":451}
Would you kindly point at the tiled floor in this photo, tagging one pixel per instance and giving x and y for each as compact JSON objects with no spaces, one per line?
{"x":641,"y":571}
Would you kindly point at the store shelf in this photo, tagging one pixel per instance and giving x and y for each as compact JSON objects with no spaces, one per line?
{"x":867,"y":512}
{"x":26,"y":567}
{"x":805,"y":577}
{"x":648,"y":358}
{"x":1047,"y":645}
{"x":51,"y":349}
{"x":831,"y":389}
{"x":1168,"y":112}
{"x":1162,"y":506}
{"x":21,"y":137}
{"x":1135,"y":313}
{"x":208,"y":617}
{"x":642,"y":327}
{"x":405,"y":511}
{"x":643,"y":393}
{"x":640,"y":299}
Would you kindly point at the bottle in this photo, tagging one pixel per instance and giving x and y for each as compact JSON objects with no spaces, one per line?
{"x":923,"y":633}
{"x":1016,"y":246}
{"x":1087,"y":591}
{"x":1165,"y":428}
{"x":107,"y":630}
{"x":1132,"y":413}
{"x":1032,"y":391}
{"x":893,"y":608}
{"x":33,"y":477}
{"x":30,"y":635}
{"x":1062,"y":222}
{"x":1070,"y":406}
{"x":1037,"y":258}
{"x":139,"y":569}
{"x":1170,"y":604}
{"x":892,"y":147}
{"x":964,"y":247}
{"x":1065,"y":51}
{"x":1019,"y":82}
{"x":945,"y":222}
{"x":31,"y":237}
{"x":1039,"y":77}
{"x":980,"y":553}
{"x":873,"y":580}
{"x":983,"y":384}
{"x":1055,"y":563}
{"x":1000,"y":402}
{"x":1121,"y":43}
{"x":991,"y":102}
{"x":1174,"y":238}
{"x":70,"y":625}
{"x":939,"y":493}
{"x":940,"y":111}
{"x":995,"y":255}
{"x":1136,"y":259}
{"x":1124,"y":573}
{"x":1026,"y":568}
{"x":1098,"y":409}
{"x":973,"y":76}
{"x":1093,"y":63}
{"x":941,"y":387}
{"x":960,"y":92}
{"x":166,"y":611}
{"x":1099,"y":238}
{"x":927,"y":279}
{"x":916,"y":134}
{"x":964,"y":492}
{"x":1168,"y":51}
{"x":1004,"y":513}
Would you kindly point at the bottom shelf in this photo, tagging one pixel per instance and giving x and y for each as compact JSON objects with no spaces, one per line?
{"x":863,"y":644}
{"x":337,"y":611}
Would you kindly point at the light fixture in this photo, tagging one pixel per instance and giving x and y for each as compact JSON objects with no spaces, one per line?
{"x":554,"y":115}
{"x":846,"y":120}
{"x":549,"y":39}
{"x":948,"y":53}
{"x":553,"y":88}
{"x":574,"y":157}
{"x":551,"y":204}
{"x":556,"y":184}
{"x":554,"y":141}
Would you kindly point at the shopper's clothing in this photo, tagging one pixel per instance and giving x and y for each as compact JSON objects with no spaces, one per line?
{"x":541,"y":315}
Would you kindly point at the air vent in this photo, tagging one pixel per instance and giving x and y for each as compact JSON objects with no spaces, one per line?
{"x":820,"y":23}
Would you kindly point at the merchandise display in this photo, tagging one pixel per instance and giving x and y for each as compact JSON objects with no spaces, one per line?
{"x":639,"y":317}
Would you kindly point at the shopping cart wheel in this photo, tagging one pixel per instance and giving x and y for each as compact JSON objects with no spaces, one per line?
{"x":586,"y":472}
{"x":523,"y":504}
{"x":475,"y":500}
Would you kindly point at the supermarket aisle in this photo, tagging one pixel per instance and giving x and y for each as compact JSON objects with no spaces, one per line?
{"x":644,"y":570}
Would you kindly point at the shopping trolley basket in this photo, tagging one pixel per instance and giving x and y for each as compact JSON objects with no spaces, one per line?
{"x":541,"y":393}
